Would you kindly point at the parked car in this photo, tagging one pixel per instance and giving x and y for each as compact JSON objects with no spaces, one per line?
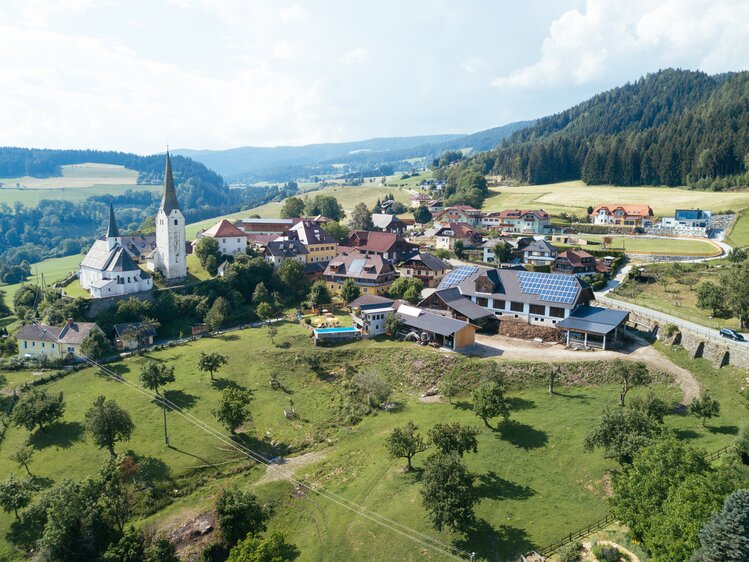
{"x":731,"y":335}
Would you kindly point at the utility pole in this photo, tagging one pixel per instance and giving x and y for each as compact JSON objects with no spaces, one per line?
{"x":166,"y":435}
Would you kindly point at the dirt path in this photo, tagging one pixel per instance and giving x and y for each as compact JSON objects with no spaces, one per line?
{"x":287,"y":467}
{"x":523,"y":350}
{"x":588,"y":545}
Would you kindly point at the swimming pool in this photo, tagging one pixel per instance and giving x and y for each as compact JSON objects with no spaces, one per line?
{"x":343,"y":329}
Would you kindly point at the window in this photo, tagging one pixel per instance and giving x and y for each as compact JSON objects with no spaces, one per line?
{"x":482,"y":301}
{"x":33,"y":344}
{"x":176,"y":222}
{"x":42,"y":344}
{"x":223,"y":240}
{"x":53,"y":346}
{"x":516,"y":306}
{"x":71,"y":349}
{"x":25,"y":344}
{"x":556,"y":312}
{"x":538,"y":309}
{"x":499,"y":304}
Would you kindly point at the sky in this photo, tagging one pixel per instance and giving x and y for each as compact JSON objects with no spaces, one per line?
{"x":138,"y":75}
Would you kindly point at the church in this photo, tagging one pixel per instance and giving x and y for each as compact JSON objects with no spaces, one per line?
{"x":169,"y":257}
{"x":108,"y":270}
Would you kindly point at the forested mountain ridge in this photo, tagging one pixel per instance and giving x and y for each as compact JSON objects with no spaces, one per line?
{"x":285,"y":163}
{"x":673,"y":127}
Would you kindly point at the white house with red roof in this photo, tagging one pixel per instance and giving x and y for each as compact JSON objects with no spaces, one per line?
{"x":458,"y":213}
{"x":633,"y":216}
{"x":231,"y":240}
{"x":535,"y":221}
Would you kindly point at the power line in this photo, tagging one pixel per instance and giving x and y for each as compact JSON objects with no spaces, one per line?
{"x":403,"y":530}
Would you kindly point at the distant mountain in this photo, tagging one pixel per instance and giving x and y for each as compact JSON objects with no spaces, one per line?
{"x":285,"y":163}
{"x":673,"y":127}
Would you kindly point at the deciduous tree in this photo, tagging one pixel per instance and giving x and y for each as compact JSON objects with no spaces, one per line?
{"x":622,"y":433}
{"x":631,"y":374}
{"x":711,"y":297}
{"x":23,"y":456}
{"x":361,"y":218}
{"x":704,"y":407}
{"x":95,"y":345}
{"x":448,"y":493}
{"x":239,"y":515}
{"x":349,"y":291}
{"x":272,"y":548}
{"x":233,"y":408}
{"x":211,"y":362}
{"x":108,"y":423}
{"x":404,"y":442}
{"x":292,"y":207}
{"x":489,"y":401}
{"x":454,"y":438}
{"x":207,"y":248}
{"x":422,"y":215}
{"x":37,"y":408}
{"x":154,"y":375}
{"x":15,"y":494}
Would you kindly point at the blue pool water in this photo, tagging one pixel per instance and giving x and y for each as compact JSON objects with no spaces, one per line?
{"x":335,"y":330}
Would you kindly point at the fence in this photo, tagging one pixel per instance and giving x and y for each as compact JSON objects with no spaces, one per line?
{"x":550,"y":549}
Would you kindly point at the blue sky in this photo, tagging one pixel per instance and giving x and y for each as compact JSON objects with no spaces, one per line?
{"x":136,"y":75}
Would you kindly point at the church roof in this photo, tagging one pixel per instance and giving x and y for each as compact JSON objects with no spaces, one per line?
{"x":112,"y":231}
{"x":101,"y":258}
{"x":169,"y":199}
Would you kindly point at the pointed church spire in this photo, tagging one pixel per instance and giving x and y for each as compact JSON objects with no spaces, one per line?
{"x":112,"y":231}
{"x":169,"y":199}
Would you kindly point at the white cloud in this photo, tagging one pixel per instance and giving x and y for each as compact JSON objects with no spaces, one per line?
{"x":294,"y":12}
{"x":356,"y":56}
{"x":472,"y":65}
{"x":612,"y":40}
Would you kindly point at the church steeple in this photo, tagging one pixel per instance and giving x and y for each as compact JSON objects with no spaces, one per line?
{"x":169,"y":199}
{"x":112,"y":231}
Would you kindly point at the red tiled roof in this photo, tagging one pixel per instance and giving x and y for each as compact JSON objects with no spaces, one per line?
{"x":225,"y":229}
{"x":629,"y":210}
{"x":380,"y":242}
{"x":518,"y":213}
{"x":461,"y":229}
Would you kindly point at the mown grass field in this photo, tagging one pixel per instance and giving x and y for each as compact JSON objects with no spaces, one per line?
{"x":576,"y":196}
{"x":52,"y":269}
{"x":678,"y":298}
{"x":535,"y":481}
{"x":739,"y":235}
{"x":658,"y":246}
{"x":77,"y":183}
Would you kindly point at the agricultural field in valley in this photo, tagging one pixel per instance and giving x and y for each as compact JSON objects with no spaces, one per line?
{"x":535,"y":482}
{"x":77,"y":183}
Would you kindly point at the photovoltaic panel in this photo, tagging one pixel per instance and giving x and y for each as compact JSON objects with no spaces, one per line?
{"x":455,"y":276}
{"x":550,"y":286}
{"x":356,"y":266}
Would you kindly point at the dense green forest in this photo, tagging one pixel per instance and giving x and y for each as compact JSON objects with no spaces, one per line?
{"x":674,"y":127}
{"x":59,"y":228}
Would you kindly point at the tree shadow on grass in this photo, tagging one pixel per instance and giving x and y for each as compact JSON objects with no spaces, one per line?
{"x":463,"y":405}
{"x":723,"y":429}
{"x":582,"y":397}
{"x":118,"y":369}
{"x":59,"y":434}
{"x":24,"y":532}
{"x":41,"y":482}
{"x":228,"y":337}
{"x":265,"y":449}
{"x":150,"y":468}
{"x":221,"y":384}
{"x":522,"y":435}
{"x":180,"y":398}
{"x":502,"y":543}
{"x":189,"y":454}
{"x":684,"y":434}
{"x":494,"y":487}
{"x":518,"y":404}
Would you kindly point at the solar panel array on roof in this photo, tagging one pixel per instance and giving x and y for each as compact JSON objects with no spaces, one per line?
{"x":356,"y":266}
{"x":457,"y":275}
{"x":549,"y":286}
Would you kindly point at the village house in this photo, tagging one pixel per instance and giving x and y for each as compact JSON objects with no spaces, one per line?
{"x":369,"y":312}
{"x":386,"y":244}
{"x":491,"y":220}
{"x":435,"y":206}
{"x":278,"y":251}
{"x":321,"y":246}
{"x":428,"y":268}
{"x":133,"y":335}
{"x":420,"y":200}
{"x":452,"y":303}
{"x":266,"y":226}
{"x":372,"y":273}
{"x":577,"y":262}
{"x":108,"y":270}
{"x":687,"y":219}
{"x":630,"y":216}
{"x":446,"y":236}
{"x":594,"y":327}
{"x":53,"y":342}
{"x":539,"y":252}
{"x":536,"y":298}
{"x":458,"y":214}
{"x":525,"y":221}
{"x":389,"y":223}
{"x":231,"y":240}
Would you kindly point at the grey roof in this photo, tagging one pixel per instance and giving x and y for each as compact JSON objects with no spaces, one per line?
{"x":285,"y":248}
{"x":594,"y":319}
{"x":169,"y":199}
{"x":554,"y":289}
{"x":39,"y":332}
{"x":310,"y":232}
{"x":75,"y":332}
{"x":101,"y":258}
{"x":460,"y":304}
{"x":122,"y":329}
{"x":369,"y":301}
{"x":429,"y":260}
{"x":112,"y":231}
{"x":541,"y":246}
{"x":383,"y":220}
{"x":435,"y":323}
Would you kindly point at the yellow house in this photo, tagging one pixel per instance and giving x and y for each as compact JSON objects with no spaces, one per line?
{"x":371,"y":273}
{"x":321,"y":246}
{"x":53,"y":342}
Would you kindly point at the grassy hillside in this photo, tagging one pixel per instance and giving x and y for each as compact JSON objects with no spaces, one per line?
{"x":77,"y":183}
{"x":531,"y":468}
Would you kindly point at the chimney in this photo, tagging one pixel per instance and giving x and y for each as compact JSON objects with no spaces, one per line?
{"x":70,"y":322}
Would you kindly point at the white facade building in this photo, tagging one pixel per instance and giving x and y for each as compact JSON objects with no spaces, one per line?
{"x":108,"y":270}
{"x":169,"y":257}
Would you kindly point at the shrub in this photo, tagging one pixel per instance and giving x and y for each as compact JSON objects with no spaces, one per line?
{"x":570,"y":552}
{"x":605,"y":553}
{"x":669,"y":330}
